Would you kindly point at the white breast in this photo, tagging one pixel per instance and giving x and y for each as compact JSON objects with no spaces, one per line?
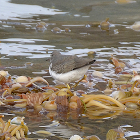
{"x":69,"y":76}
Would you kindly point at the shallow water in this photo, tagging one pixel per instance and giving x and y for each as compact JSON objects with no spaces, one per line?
{"x":24,"y":51}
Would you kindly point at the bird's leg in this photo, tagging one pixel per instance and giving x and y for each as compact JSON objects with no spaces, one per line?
{"x":68,"y":86}
{"x":84,"y":78}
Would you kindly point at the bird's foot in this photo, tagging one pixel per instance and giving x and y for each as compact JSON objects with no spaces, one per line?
{"x":76,"y":84}
{"x":68,"y":86}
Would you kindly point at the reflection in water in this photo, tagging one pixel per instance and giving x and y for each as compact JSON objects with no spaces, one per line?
{"x":28,"y":48}
{"x":23,"y":11}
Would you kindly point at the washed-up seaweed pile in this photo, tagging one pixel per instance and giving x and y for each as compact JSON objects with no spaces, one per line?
{"x":11,"y":131}
{"x":27,"y":92}
{"x":16,"y":129}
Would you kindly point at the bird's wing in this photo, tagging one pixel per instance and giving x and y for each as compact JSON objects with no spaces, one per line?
{"x":85,"y":62}
{"x":69,"y":63}
{"x":66,"y":65}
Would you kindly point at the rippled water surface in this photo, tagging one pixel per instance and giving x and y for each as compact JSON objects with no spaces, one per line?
{"x":24,"y":49}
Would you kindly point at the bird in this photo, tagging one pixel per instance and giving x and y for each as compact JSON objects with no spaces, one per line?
{"x":68,"y":68}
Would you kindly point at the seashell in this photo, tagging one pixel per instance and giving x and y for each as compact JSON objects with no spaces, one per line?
{"x":118,"y":95}
{"x":33,"y":99}
{"x":20,"y":105}
{"x":73,"y":105}
{"x":21,"y":79}
{"x":75,"y":102}
{"x":49,"y":105}
{"x":3,"y":73}
{"x":17,"y":120}
{"x":62,"y":93}
{"x":131,"y":105}
{"x":74,"y":99}
{"x":16,"y":86}
{"x":75,"y":137}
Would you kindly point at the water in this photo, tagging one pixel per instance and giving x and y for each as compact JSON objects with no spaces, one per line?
{"x":24,"y":51}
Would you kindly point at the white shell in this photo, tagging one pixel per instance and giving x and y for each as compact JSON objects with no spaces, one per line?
{"x":75,"y":137}
{"x":3,"y":73}
{"x":17,"y":85}
{"x":17,"y":120}
{"x":21,"y":79}
{"x":118,"y":95}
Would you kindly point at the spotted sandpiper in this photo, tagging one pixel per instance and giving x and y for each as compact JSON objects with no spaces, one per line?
{"x":68,"y":68}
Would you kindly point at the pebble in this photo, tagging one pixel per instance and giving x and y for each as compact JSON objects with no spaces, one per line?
{"x":97,"y":74}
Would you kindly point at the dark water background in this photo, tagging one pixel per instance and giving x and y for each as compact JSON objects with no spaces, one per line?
{"x":24,"y":51}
